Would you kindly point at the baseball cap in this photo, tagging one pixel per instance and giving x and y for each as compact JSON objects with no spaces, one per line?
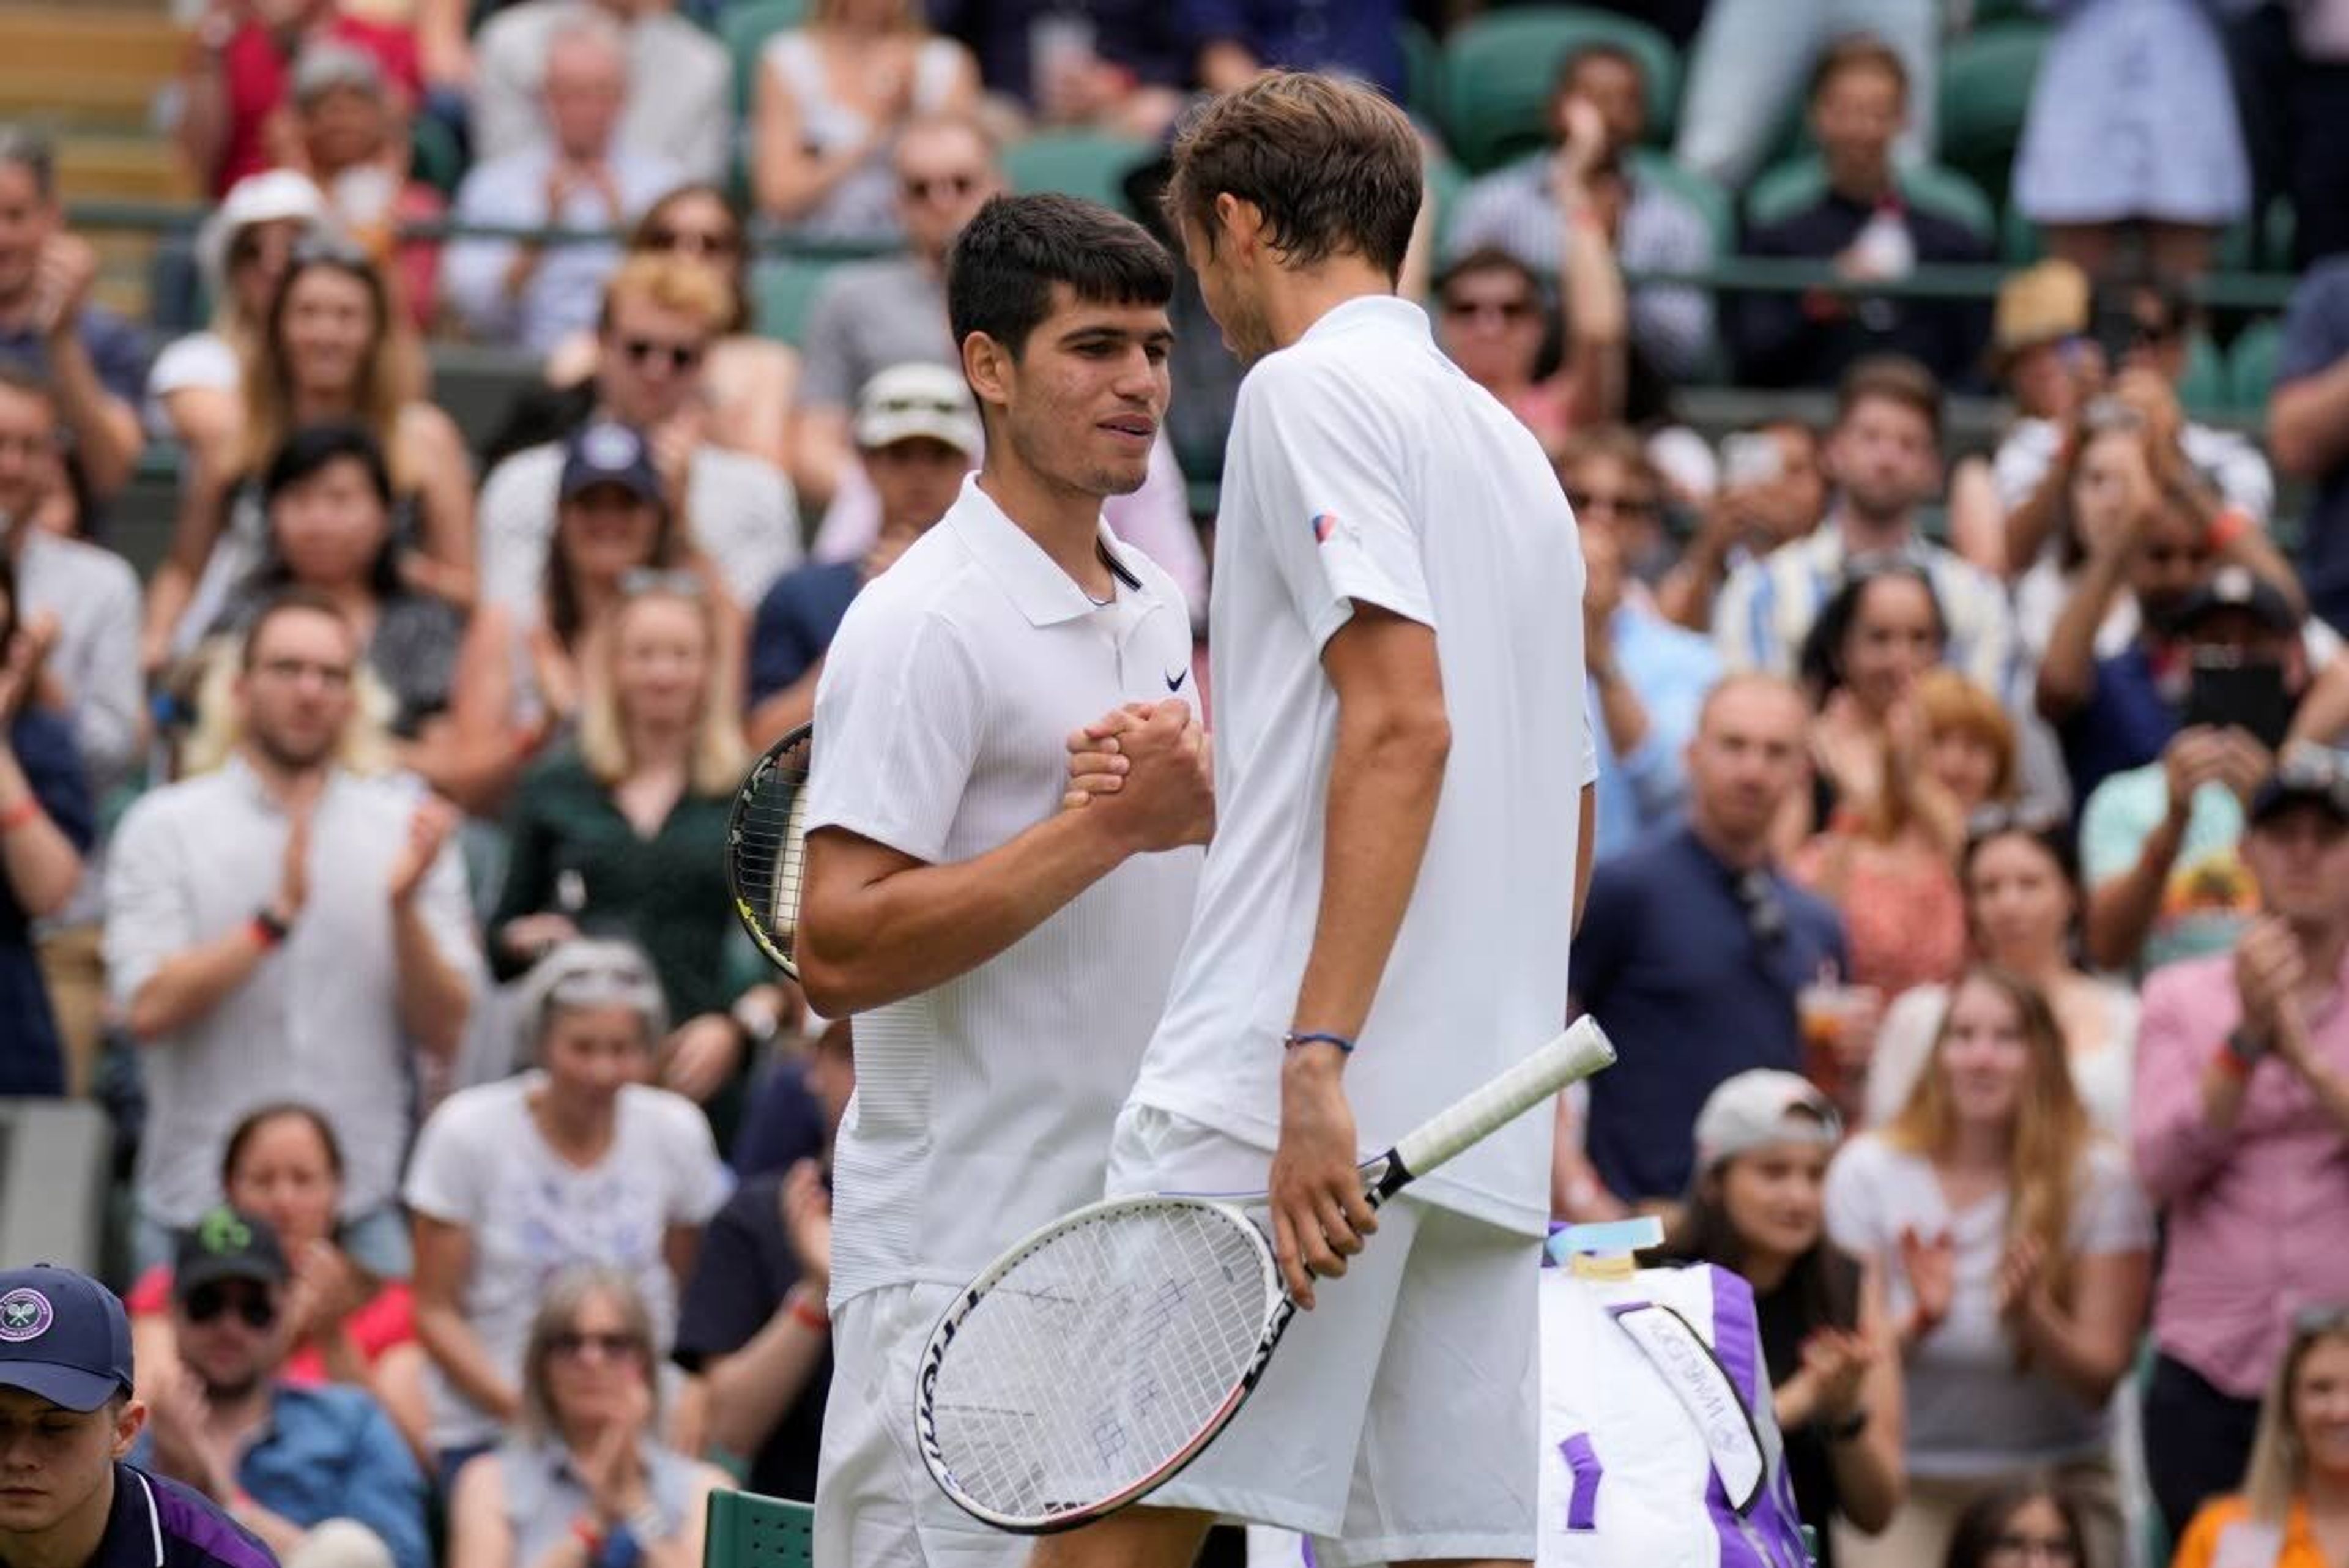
{"x":2240,"y":588}
{"x":905,"y":402}
{"x":2306,"y":772}
{"x":2041,"y":304}
{"x":273,"y":197}
{"x":1761,"y":1107}
{"x":226,"y":1245}
{"x":63,"y":1336}
{"x":604,"y":452}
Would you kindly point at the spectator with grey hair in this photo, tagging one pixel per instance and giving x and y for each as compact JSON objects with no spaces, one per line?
{"x":576,"y":1161}
{"x":351,"y":138}
{"x":580,"y":1480}
{"x":680,"y":80}
{"x":95,"y":363}
{"x":236,"y":80}
{"x":587,"y":173}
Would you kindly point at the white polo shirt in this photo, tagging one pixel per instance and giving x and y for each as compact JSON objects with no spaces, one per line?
{"x":983,"y":1108}
{"x":1364,"y":466}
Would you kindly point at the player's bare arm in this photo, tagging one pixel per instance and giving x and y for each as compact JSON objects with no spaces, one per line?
{"x":878,"y":925}
{"x":1394,"y":737}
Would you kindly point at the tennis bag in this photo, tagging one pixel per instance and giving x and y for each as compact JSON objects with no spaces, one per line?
{"x":1660,"y":1448}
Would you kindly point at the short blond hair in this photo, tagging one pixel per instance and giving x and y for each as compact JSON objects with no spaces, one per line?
{"x":672,"y":283}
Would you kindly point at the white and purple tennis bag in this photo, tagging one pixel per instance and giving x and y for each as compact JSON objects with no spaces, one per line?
{"x":1660,"y":1448}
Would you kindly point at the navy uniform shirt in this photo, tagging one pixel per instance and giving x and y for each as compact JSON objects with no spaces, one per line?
{"x":159,"y":1523}
{"x":1669,"y":963}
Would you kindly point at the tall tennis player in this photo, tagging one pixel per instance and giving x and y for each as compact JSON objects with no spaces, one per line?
{"x":1404,"y":771}
{"x":1006,"y":959}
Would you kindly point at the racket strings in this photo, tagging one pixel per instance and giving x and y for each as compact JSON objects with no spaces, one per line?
{"x":1098,"y":1357}
{"x":769,"y":848}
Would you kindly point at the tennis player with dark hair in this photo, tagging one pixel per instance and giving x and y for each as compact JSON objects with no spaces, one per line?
{"x":1005,"y":960}
{"x":1403,"y":789}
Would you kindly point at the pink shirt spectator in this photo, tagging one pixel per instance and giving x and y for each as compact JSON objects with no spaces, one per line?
{"x":2255,"y":1214}
{"x":256,"y":75}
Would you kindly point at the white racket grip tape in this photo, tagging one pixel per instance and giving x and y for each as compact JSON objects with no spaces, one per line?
{"x":1582,"y":1050}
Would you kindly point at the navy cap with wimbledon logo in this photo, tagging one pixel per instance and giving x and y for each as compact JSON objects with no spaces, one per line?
{"x":63,"y":1336}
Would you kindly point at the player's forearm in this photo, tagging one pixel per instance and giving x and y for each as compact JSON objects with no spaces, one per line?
{"x":1384,"y":779}
{"x":190,"y":984}
{"x":914,"y":930}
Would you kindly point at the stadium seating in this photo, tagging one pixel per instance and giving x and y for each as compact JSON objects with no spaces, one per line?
{"x":1086,"y":164}
{"x":1656,"y":167}
{"x":1985,"y":92}
{"x":782,"y":292}
{"x":744,"y":28}
{"x":1498,"y":71}
{"x":747,"y":1530}
{"x":2252,"y":364}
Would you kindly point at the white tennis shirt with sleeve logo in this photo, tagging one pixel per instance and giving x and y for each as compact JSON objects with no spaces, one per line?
{"x":1365,"y":468}
{"x":984,"y":1107}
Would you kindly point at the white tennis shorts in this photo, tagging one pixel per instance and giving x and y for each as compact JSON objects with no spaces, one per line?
{"x":876,"y":1504}
{"x":1401,"y":1419}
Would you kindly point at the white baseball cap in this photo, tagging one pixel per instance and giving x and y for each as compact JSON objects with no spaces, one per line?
{"x":269,"y":198}
{"x":1755,"y":1109}
{"x":905,"y":402}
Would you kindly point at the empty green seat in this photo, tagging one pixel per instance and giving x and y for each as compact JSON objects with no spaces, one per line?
{"x":745,"y":28}
{"x":1498,"y":71}
{"x":745,"y":1529}
{"x":1088,"y":164}
{"x":1985,"y":92}
{"x":782,"y":294}
{"x":2252,"y":364}
{"x":2204,"y":390}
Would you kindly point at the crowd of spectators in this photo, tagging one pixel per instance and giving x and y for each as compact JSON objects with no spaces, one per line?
{"x":1968,"y":815}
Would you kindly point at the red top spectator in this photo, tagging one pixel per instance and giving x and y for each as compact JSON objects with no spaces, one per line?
{"x":238,"y":79}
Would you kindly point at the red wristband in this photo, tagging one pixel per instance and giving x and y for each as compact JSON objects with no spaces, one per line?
{"x":2231,"y":1062}
{"x":19,"y":815}
{"x":2230,"y":524}
{"x":808,"y":1315}
{"x":583,"y":1531}
{"x":264,"y":936}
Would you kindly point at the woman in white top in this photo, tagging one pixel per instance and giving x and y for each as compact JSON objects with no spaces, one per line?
{"x":242,"y":255}
{"x":2021,"y":887}
{"x":2018,"y":1250}
{"x":578,"y":1161}
{"x":832,"y":96}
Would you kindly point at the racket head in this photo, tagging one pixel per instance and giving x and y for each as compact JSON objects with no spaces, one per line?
{"x":1095,"y":1358}
{"x":766,"y":847}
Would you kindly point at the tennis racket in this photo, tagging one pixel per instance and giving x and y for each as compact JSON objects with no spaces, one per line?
{"x":766,"y":847}
{"x":1094,"y":1359}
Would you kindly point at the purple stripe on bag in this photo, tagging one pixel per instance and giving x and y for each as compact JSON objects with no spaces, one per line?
{"x":1582,"y":1507}
{"x":1736,"y":1340}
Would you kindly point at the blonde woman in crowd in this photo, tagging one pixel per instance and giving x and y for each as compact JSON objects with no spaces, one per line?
{"x":2293,"y":1510}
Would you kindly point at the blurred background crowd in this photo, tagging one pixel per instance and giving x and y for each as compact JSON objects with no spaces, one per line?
{"x":439,"y":440}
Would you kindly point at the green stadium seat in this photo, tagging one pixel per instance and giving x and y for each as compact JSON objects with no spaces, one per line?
{"x":1423,"y":72}
{"x":2204,"y":389}
{"x":2252,"y":364}
{"x":744,"y":28}
{"x":2020,"y":242}
{"x":782,"y":292}
{"x":1086,"y":164}
{"x":1782,"y":191}
{"x":1445,"y":180}
{"x":1985,"y":91}
{"x":2277,"y":235}
{"x":1656,"y":167}
{"x":433,"y":154}
{"x":745,"y":1529}
{"x":1498,"y":71}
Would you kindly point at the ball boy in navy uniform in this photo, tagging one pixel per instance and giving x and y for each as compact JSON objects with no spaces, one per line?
{"x":67,"y":1417}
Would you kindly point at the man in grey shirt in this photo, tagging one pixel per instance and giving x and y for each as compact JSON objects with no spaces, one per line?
{"x":661,"y":312}
{"x":680,"y":82}
{"x":91,"y":674}
{"x":872,"y":315}
{"x":283,"y":928}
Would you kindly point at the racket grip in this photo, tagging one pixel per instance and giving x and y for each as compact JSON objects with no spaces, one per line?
{"x":1583,"y":1049}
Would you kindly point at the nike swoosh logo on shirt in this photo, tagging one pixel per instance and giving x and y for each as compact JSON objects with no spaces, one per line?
{"x":1174,"y":681}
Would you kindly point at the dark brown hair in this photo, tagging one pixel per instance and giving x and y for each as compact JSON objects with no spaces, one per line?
{"x":1891,"y":379}
{"x":1857,"y":52}
{"x":643,"y":240}
{"x":260,"y":1117}
{"x":1974,"y":1542}
{"x":1333,"y":167}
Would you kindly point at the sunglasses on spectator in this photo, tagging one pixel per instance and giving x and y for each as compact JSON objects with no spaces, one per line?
{"x":1505,"y":310}
{"x":920,"y":187}
{"x":680,"y":356}
{"x":1765,"y":917}
{"x":572,"y":1344}
{"x":696,"y":242}
{"x":206,"y":1303}
{"x":1594,"y":503}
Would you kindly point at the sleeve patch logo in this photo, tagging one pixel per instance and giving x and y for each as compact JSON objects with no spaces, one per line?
{"x":1325,"y":525}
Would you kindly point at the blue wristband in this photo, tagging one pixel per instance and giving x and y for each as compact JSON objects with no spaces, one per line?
{"x":1292,"y":1040}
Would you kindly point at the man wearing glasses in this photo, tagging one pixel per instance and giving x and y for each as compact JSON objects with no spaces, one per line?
{"x":281,"y":927}
{"x":1693,"y":951}
{"x":319,"y":1474}
{"x":660,"y":316}
{"x":2240,"y":1121}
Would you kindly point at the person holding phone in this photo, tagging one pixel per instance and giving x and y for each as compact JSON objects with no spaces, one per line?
{"x":2158,"y":842}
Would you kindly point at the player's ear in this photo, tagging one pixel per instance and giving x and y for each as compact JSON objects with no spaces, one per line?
{"x":990,"y":368}
{"x":1241,"y":221}
{"x":130,"y":1420}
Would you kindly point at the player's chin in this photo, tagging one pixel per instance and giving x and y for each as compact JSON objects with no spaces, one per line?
{"x":1119,"y":476}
